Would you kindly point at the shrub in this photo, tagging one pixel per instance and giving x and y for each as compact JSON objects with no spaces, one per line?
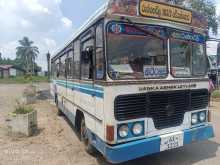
{"x":216,"y":94}
{"x":21,"y":108}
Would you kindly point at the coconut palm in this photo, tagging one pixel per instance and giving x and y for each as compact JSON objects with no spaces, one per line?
{"x":27,"y":54}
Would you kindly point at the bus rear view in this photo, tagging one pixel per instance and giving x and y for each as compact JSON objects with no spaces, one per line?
{"x":140,"y":84}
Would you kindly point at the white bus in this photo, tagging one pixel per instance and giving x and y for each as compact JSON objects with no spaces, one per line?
{"x":133,"y":80}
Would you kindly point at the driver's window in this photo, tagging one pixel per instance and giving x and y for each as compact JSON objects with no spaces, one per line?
{"x":87,"y":65}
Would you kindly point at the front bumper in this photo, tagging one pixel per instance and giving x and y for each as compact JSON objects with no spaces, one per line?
{"x":144,"y":147}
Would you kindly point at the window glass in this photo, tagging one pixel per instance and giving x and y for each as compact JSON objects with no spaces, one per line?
{"x":62,"y":66}
{"x":57,"y":68}
{"x":133,"y":54}
{"x":187,"y":58}
{"x":69,"y":64}
{"x":52,"y":72}
{"x":86,"y":68}
{"x":181,"y":53}
{"x":99,"y":52}
{"x":76,"y":60}
{"x":199,"y":60}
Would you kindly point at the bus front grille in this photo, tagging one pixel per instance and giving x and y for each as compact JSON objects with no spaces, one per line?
{"x":166,"y":108}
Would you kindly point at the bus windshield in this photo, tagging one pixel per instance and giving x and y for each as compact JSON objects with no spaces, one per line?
{"x":187,"y":58}
{"x":133,"y":54}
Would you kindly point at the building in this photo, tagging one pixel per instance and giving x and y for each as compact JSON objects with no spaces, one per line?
{"x":10,"y":71}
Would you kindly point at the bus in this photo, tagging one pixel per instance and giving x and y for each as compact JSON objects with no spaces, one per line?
{"x":133,"y":79}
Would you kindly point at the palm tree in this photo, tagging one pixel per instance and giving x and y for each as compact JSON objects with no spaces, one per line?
{"x":27,"y":54}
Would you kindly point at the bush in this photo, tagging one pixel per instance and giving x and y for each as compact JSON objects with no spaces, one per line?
{"x":216,"y":94}
{"x":22,"y":109}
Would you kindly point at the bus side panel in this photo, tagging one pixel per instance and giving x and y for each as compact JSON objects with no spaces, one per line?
{"x":100,"y":125}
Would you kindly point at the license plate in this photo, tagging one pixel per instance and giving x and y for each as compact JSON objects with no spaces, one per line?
{"x":171,"y":141}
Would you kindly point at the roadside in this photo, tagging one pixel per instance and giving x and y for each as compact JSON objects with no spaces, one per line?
{"x":54,"y":143}
{"x":23,"y":80}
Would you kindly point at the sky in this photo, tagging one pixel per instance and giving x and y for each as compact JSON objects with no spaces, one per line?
{"x":49,"y":23}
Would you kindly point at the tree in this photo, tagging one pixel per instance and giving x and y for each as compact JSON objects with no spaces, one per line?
{"x":206,"y":7}
{"x":27,"y":54}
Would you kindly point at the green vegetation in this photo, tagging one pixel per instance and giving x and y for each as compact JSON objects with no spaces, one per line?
{"x":206,"y":7}
{"x":216,"y":94}
{"x":26,"y":54}
{"x":22,"y":109}
{"x":23,"y":80}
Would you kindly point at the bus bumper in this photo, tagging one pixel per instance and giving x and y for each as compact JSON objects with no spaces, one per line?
{"x":144,"y":147}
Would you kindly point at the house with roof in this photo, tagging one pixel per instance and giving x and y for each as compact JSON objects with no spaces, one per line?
{"x":10,"y":71}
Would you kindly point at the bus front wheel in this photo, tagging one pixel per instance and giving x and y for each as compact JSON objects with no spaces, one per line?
{"x":84,"y":138}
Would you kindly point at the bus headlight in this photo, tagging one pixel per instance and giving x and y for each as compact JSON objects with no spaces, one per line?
{"x":123,"y":131}
{"x":202,"y":116}
{"x":137,"y":129}
{"x":194,"y":118}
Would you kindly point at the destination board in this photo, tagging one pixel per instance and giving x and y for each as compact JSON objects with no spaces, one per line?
{"x":166,"y":12}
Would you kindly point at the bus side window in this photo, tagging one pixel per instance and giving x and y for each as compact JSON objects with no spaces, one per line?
{"x":69,"y":64}
{"x":100,"y":66}
{"x":87,"y":65}
{"x":57,"y":68}
{"x":62,"y":66}
{"x":76,"y":60}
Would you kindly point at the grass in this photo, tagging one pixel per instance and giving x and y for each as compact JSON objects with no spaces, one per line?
{"x":216,"y":94}
{"x":23,"y":80}
{"x":21,"y":108}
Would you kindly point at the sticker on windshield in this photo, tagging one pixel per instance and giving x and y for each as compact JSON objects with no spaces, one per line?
{"x":154,"y":71}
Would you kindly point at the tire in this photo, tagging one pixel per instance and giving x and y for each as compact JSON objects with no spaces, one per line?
{"x":84,"y":138}
{"x":59,"y":112}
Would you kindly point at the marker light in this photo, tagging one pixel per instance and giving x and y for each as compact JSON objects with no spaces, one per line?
{"x":194,"y":118}
{"x":137,"y":129}
{"x":123,"y":131}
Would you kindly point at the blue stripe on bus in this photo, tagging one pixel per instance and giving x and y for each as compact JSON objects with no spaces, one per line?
{"x":139,"y":148}
{"x":81,"y":85}
{"x":87,"y":89}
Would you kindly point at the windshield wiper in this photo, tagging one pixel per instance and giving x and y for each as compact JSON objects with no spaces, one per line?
{"x":143,"y":30}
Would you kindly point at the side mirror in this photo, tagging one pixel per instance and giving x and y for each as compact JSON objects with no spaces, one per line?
{"x":87,"y":55}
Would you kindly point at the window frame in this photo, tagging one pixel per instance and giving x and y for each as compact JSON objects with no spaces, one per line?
{"x":100,"y":22}
{"x":86,"y":36}
{"x":191,"y":62}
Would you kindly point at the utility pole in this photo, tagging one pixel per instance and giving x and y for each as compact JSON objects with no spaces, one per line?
{"x":48,"y":65}
{"x":218,"y":64}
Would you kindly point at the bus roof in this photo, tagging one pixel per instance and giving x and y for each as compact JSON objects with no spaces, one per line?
{"x":155,"y":9}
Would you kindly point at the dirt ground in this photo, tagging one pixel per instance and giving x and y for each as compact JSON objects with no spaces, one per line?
{"x":56,"y":142}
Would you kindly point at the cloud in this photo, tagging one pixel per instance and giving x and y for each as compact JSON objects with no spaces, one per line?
{"x":66,"y":22}
{"x":42,"y":21}
{"x":8,"y":50}
{"x":25,"y":23}
{"x":35,"y":6}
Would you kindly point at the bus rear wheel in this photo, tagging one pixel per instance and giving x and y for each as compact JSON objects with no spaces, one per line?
{"x":84,"y":138}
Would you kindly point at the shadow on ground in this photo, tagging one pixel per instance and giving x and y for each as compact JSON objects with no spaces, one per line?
{"x":44,"y":95}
